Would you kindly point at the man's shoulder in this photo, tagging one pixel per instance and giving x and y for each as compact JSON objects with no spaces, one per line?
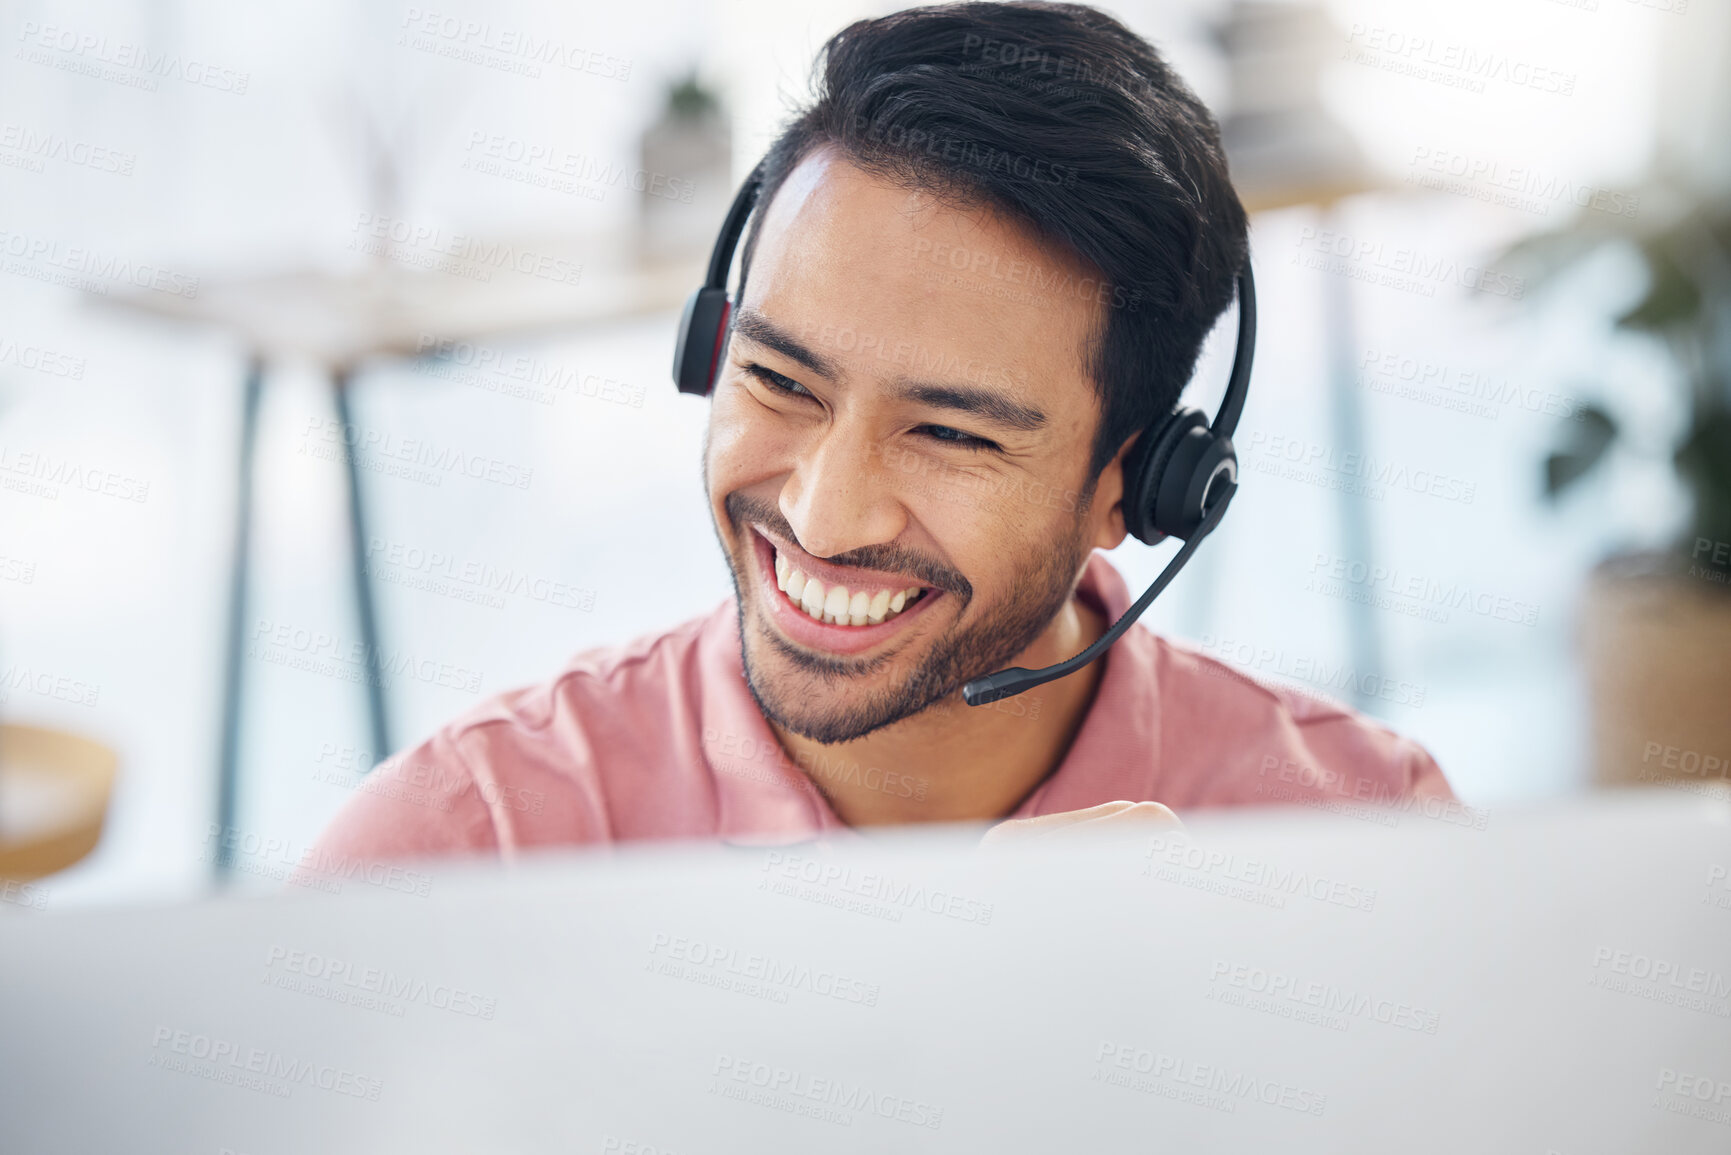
{"x":606,"y":748}
{"x":655,"y":673}
{"x":1188,"y":670}
{"x":1234,"y":738}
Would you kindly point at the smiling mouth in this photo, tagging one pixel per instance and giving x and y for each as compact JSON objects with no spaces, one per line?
{"x":840,"y":605}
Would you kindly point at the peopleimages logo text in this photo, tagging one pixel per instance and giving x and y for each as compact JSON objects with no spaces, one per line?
{"x":482,"y":42}
{"x":839,"y":1094}
{"x":893,"y":892}
{"x":110,"y":59}
{"x":263,"y":1064}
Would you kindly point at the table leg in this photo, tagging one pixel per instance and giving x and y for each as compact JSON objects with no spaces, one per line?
{"x":228,"y":759}
{"x":341,"y":381}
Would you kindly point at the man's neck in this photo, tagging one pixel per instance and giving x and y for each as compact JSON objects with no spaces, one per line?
{"x":957,"y":763}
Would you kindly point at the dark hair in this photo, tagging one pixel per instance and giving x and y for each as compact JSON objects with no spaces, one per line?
{"x":1062,"y":118}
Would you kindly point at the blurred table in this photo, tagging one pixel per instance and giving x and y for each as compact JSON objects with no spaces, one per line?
{"x":54,"y":791}
{"x":340,"y":320}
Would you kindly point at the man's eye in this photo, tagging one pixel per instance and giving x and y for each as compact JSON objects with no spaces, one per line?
{"x":956,"y":437}
{"x":786,"y":386}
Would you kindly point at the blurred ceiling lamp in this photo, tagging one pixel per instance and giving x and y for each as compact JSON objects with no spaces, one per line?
{"x":1284,"y":147}
{"x":1285,"y":150}
{"x":54,"y":791}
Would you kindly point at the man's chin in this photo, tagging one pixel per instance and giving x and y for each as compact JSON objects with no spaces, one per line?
{"x":828,"y":726}
{"x":824,"y":704}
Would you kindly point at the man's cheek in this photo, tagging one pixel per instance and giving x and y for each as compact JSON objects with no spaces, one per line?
{"x":976,"y":526}
{"x":740,"y":445}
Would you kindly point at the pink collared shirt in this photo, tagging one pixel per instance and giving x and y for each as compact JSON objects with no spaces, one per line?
{"x":659,"y":738}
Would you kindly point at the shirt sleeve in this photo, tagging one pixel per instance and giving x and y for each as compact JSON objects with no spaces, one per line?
{"x":1425,"y":777}
{"x":418,"y":804}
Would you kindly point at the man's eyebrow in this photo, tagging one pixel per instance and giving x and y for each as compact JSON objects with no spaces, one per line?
{"x":756,"y":327}
{"x":987,"y":404}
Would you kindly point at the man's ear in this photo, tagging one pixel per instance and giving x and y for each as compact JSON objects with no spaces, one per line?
{"x":1108,"y":508}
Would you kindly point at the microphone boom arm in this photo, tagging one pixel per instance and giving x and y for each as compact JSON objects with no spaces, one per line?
{"x":1007,"y":683}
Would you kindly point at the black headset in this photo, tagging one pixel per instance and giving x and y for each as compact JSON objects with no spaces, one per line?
{"x":1179,"y":476}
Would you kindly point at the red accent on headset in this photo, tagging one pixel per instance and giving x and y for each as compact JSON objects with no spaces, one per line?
{"x":720,"y":334}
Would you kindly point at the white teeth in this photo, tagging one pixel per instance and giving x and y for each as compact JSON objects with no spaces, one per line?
{"x":812,"y":598}
{"x":837,"y":605}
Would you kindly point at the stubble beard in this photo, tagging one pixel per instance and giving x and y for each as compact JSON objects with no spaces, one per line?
{"x":842,"y":711}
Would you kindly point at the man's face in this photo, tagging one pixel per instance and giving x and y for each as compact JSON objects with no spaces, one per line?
{"x":897,"y":449}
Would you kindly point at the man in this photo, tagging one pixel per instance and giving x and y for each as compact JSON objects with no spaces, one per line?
{"x":981,"y":262}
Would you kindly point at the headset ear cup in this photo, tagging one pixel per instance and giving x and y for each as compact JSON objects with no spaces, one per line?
{"x":720,"y":339}
{"x":1145,"y":470}
{"x":702,"y":328}
{"x":1198,"y":461}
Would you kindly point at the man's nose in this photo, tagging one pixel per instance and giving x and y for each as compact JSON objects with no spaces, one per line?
{"x":839,"y":496}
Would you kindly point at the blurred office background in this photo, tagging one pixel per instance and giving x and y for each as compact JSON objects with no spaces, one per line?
{"x":342,"y":191}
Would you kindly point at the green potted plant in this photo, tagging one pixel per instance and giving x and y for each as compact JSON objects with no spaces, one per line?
{"x":1656,"y":625}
